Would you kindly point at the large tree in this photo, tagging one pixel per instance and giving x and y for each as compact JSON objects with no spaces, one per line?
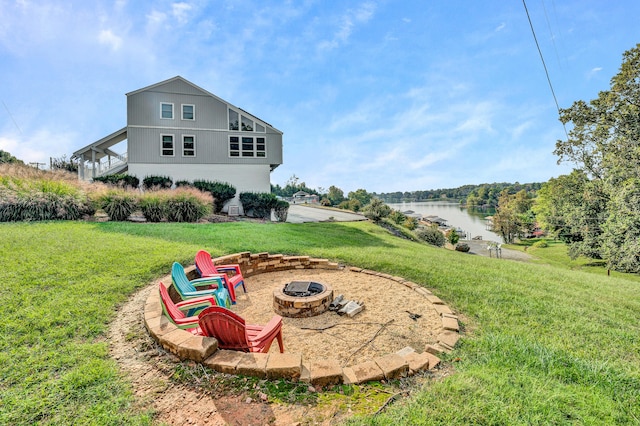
{"x":513,"y":218}
{"x":603,"y":144}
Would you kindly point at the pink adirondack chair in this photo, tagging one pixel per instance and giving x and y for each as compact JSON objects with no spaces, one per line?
{"x":176,"y":311}
{"x":233,"y":333}
{"x":230,"y":273}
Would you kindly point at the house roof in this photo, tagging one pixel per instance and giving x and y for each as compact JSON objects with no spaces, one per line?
{"x":101,"y":146}
{"x":206,"y":92}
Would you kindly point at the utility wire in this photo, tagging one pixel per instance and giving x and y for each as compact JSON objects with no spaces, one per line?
{"x":546,"y":71}
{"x":12,"y":119}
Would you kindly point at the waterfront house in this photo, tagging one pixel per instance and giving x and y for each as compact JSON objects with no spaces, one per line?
{"x":177,"y":129}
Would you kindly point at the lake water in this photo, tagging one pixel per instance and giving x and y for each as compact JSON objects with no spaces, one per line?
{"x":471,"y":222}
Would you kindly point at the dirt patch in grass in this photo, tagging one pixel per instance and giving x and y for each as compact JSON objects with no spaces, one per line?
{"x":150,"y":369}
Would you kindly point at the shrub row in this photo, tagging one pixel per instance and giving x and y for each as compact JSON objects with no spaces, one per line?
{"x":179,"y":205}
{"x":260,"y":205}
{"x":35,"y":206}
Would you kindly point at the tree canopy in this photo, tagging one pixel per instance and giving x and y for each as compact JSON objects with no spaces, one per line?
{"x":602,"y":218}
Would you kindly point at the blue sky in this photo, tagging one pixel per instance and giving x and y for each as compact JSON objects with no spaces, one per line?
{"x":376,"y":94}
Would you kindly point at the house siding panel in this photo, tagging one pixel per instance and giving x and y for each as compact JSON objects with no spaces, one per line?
{"x":211,"y":147}
{"x":143,"y":109}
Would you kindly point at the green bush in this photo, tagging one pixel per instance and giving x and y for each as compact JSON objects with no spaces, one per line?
{"x":540,"y":244}
{"x":281,"y":210}
{"x":376,"y":210}
{"x":453,"y":237}
{"x":410,"y":223}
{"x":159,"y":182}
{"x":118,"y":204}
{"x":221,"y":192}
{"x":353,"y":205}
{"x":431,"y":236}
{"x":258,"y":204}
{"x":397,"y":217}
{"x":183,"y":183}
{"x":187,"y":205}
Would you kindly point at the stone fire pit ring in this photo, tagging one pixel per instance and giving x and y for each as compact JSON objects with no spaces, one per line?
{"x":302,"y":306}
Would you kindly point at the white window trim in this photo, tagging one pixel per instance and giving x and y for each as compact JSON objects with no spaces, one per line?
{"x":173,"y":112}
{"x":182,"y":112}
{"x":240,"y":150}
{"x":194,"y":146}
{"x":173,"y":138}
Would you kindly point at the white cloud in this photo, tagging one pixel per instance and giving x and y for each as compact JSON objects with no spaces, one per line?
{"x":108,"y":38}
{"x":37,"y":147}
{"x":346,"y":25}
{"x":500,"y":27}
{"x":181,"y":11}
{"x":593,"y":72}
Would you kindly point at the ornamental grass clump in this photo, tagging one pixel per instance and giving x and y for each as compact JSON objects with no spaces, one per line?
{"x":28,"y":194}
{"x":153,"y":205}
{"x":118,"y":204}
{"x":188,"y":205}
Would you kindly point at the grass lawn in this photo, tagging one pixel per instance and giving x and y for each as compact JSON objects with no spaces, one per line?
{"x":545,"y":344}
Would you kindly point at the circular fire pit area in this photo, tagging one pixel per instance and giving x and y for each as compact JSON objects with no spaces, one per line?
{"x":302,"y":299}
{"x":278,"y":271}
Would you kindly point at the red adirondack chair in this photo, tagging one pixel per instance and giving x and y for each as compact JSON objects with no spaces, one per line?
{"x":176,"y":311}
{"x":231,"y":273}
{"x":233,"y":333}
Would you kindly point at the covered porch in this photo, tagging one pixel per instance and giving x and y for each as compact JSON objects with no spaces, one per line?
{"x":97,"y":159}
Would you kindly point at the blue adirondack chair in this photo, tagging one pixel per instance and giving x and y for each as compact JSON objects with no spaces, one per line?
{"x":189,"y":289}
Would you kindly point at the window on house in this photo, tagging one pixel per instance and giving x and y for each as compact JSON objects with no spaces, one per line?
{"x":234,"y":146}
{"x":188,"y":146}
{"x":247,"y":124}
{"x":233,"y":120}
{"x":244,"y":123}
{"x":167,"y":146}
{"x":166,"y":110}
{"x":188,"y":112}
{"x":260,"y":148}
{"x":247,"y":146}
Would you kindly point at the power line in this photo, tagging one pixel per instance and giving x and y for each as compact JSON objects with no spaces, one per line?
{"x":12,"y":119}
{"x":546,"y":71}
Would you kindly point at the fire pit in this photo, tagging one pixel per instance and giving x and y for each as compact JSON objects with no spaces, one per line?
{"x":301,"y":299}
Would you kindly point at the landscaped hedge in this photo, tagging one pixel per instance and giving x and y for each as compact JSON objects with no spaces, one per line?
{"x":221,"y":192}
{"x":281,"y":210}
{"x":258,"y":204}
{"x":157,"y":182}
{"x":121,"y":179}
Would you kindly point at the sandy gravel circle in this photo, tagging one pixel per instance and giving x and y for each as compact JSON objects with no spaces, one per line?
{"x":347,"y":339}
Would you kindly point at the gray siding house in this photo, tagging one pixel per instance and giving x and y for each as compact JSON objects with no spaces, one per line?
{"x":177,"y":129}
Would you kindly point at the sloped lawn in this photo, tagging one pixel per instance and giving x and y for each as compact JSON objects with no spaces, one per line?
{"x":545,"y":344}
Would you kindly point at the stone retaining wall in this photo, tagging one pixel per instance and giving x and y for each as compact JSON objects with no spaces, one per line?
{"x":292,"y":366}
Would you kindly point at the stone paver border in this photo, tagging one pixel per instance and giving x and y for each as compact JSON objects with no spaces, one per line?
{"x":289,"y":365}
